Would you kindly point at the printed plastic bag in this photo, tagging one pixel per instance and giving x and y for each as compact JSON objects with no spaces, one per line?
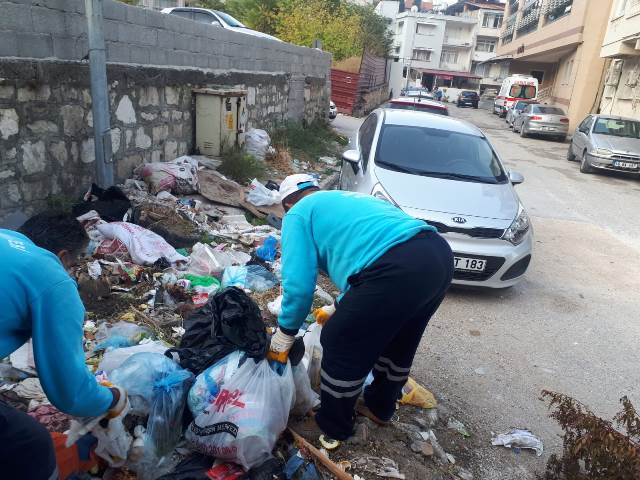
{"x":306,"y":398}
{"x":178,"y":176}
{"x":251,"y":277}
{"x":144,"y":246}
{"x":113,"y":358}
{"x":268,"y":249}
{"x":259,"y":195}
{"x":120,"y":334}
{"x":312,"y":358}
{"x":209,"y":383}
{"x":256,"y":143}
{"x":205,"y":260}
{"x":415,"y":394}
{"x":247,"y":417}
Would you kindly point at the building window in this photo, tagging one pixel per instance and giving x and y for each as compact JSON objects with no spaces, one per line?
{"x":400,"y":27}
{"x":424,"y":29}
{"x":480,"y":69}
{"x":486,"y":46}
{"x":449,"y":57}
{"x":568,"y":69}
{"x":492,"y":20}
{"x":421,"y":54}
{"x":620,"y":8}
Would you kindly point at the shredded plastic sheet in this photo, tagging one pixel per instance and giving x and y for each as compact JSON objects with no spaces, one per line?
{"x":260,"y":196}
{"x":520,"y":439}
{"x":179,"y":176}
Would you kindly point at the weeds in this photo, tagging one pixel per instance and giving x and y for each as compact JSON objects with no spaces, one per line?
{"x":593,"y":449}
{"x":240,"y":166}
{"x":307,"y":143}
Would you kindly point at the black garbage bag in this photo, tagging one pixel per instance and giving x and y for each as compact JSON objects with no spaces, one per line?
{"x":111,"y":203}
{"x":229,"y":321}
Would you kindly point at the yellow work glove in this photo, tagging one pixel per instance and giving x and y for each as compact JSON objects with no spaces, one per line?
{"x":323,"y":314}
{"x":280,"y":345}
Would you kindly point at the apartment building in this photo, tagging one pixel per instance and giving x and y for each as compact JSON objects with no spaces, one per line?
{"x":621,"y":46}
{"x":489,"y":14}
{"x":432,"y":49}
{"x":558,"y":42}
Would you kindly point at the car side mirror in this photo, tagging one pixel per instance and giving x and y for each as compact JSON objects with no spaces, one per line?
{"x":515,"y":178}
{"x":352,"y":157}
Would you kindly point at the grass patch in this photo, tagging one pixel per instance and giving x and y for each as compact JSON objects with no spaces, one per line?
{"x":240,"y":166}
{"x":60,"y":203}
{"x":309,"y":142}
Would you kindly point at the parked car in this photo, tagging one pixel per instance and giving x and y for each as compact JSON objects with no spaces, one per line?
{"x":416,"y":92}
{"x":333,"y":111}
{"x":516,"y":110}
{"x":605,"y":142}
{"x":446,"y":172}
{"x":215,"y":18}
{"x":468,"y":98}
{"x":542,"y":120}
{"x":418,"y":103}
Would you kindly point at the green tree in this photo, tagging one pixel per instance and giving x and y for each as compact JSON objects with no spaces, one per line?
{"x":376,"y":37}
{"x":261,"y":15}
{"x":210,"y":4}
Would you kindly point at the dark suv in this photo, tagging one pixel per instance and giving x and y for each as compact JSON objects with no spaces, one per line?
{"x":469,"y":98}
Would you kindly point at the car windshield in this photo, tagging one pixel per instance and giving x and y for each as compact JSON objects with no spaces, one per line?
{"x":438,"y":153}
{"x":417,"y":106}
{"x":520,"y":106}
{"x":229,"y":20}
{"x":617,"y":128}
{"x":548,"y":110}
{"x":468,"y":94}
{"x":522,"y":91}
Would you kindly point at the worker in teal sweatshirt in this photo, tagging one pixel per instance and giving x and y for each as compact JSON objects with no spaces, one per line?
{"x":393,"y":271}
{"x":40,"y":302}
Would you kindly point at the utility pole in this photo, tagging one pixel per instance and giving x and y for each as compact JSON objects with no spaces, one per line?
{"x":99,"y":94}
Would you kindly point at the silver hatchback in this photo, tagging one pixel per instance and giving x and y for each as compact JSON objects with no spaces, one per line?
{"x":605,"y":142}
{"x":542,"y":120}
{"x":446,"y":172}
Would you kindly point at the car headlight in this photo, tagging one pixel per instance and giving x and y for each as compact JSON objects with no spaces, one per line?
{"x":379,"y":192}
{"x":601,"y":152}
{"x":518,"y":228}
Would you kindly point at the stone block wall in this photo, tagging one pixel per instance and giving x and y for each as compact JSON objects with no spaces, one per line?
{"x":155,"y":61}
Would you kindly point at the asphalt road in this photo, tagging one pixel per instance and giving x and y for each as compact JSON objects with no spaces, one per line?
{"x":571,"y":326}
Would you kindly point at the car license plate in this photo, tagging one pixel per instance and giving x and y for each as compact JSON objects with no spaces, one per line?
{"x":550,"y":129}
{"x":631,"y":165}
{"x":472,"y":264}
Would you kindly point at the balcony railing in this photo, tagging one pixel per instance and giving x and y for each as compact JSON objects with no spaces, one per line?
{"x":530,"y":17}
{"x":457,"y":42}
{"x":556,"y":9}
{"x":513,"y":6}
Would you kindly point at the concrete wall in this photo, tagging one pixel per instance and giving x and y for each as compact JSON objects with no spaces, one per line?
{"x":624,"y":98}
{"x":156,"y":60}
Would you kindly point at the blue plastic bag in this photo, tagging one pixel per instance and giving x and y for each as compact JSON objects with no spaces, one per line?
{"x":251,"y":277}
{"x":267,"y":251}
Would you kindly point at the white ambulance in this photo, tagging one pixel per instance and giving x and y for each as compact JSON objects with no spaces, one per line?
{"x":515,"y":87}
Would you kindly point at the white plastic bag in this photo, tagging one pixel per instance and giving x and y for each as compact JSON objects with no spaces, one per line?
{"x":256,"y":143}
{"x":259,"y":195}
{"x":312,"y":358}
{"x":209,"y":383}
{"x":112,"y":359}
{"x":248,"y":415}
{"x":519,"y":438}
{"x":144,"y":246}
{"x":275,"y":307}
{"x":205,"y":260}
{"x":113,"y":441}
{"x":306,"y":398}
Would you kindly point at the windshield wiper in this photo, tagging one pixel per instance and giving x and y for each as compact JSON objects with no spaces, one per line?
{"x":456,"y":176}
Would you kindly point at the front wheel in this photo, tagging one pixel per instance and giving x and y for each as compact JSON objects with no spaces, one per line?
{"x":585,"y":166}
{"x":570,"y":155}
{"x":523,"y":132}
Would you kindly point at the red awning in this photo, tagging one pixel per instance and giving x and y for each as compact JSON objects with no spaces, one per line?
{"x":447,"y":74}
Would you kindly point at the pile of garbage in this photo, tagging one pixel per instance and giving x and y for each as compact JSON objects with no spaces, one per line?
{"x":181,"y":283}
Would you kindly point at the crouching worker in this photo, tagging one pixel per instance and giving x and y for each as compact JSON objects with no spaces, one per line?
{"x":393,"y":270}
{"x":40,"y":301}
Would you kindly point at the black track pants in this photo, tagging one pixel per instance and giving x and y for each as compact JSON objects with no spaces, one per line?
{"x":378,"y":326}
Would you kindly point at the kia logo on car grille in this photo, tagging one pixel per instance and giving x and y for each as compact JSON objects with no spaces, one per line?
{"x":459,"y":219}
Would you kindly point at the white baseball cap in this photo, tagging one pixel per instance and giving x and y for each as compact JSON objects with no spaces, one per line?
{"x":295,"y":183}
